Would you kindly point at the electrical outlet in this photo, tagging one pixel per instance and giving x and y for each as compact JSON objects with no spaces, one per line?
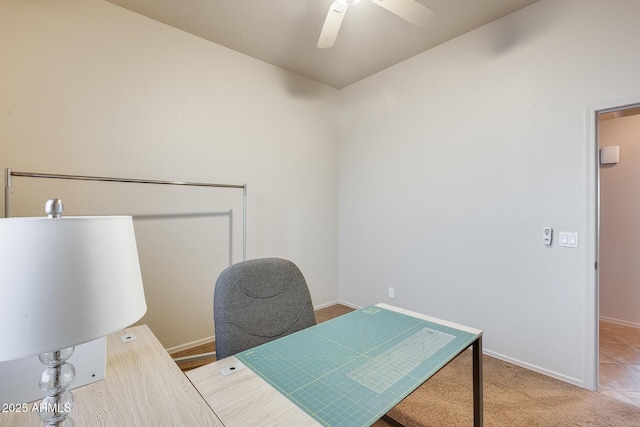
{"x":128,"y":338}
{"x":391,"y":293}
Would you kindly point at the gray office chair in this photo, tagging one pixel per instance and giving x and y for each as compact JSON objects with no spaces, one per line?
{"x":258,"y":301}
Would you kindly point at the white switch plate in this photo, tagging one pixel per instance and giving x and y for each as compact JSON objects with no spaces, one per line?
{"x":569,"y":239}
{"x":391,"y":293}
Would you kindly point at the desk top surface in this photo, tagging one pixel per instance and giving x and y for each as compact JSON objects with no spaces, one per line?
{"x":353,"y":369}
{"x":142,"y":387}
{"x":348,"y":371}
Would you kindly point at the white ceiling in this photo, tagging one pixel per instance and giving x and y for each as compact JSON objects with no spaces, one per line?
{"x":285,"y":32}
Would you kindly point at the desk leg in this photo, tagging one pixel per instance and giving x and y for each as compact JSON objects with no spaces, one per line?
{"x":477,"y":382}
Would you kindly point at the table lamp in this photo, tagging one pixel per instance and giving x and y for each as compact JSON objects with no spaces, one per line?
{"x":65,"y":281}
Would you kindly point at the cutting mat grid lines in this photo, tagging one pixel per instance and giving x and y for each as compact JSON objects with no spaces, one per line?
{"x":295,"y":368}
{"x":383,"y":370}
{"x":370,"y":329}
{"x":366,"y":359}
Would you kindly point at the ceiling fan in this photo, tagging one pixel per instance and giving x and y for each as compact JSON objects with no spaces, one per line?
{"x":409,"y":10}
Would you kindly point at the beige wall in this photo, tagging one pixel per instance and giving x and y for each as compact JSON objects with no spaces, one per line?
{"x":620,"y":222}
{"x":89,"y":88}
{"x":448,"y":211}
{"x":452,"y":162}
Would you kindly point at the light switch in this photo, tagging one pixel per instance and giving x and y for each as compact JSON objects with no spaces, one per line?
{"x":569,"y":239}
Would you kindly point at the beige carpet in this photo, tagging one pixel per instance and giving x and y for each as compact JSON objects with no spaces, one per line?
{"x":513,"y":396}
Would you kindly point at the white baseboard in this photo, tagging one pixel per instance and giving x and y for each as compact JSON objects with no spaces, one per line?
{"x":329,"y":304}
{"x":192,"y":344}
{"x":355,"y":307}
{"x":535,"y":368}
{"x":620,"y":322}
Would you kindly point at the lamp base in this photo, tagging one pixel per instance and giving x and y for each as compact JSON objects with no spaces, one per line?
{"x":89,"y":360}
{"x":55,"y":407}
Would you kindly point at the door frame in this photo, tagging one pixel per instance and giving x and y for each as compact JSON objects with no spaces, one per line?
{"x":592,"y":314}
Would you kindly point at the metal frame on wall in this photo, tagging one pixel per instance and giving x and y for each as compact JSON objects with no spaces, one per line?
{"x":9,"y":174}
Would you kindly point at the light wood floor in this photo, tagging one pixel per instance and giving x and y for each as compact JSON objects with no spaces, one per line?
{"x":620,"y":362}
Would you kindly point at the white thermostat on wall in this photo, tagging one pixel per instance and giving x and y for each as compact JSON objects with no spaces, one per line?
{"x":609,"y":155}
{"x":547,"y":235}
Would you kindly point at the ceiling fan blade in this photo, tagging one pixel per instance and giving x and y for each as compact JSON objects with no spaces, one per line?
{"x":332,"y":25}
{"x":409,"y":10}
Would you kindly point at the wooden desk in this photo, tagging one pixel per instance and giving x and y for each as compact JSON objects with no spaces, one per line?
{"x":143,"y":387}
{"x":244,"y":398}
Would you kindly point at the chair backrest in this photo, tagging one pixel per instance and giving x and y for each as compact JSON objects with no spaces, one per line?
{"x":257,"y":301}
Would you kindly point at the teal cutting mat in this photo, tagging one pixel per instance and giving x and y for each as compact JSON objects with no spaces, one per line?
{"x":353,"y":369}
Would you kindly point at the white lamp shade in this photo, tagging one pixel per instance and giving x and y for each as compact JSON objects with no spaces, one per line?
{"x":66,"y":281}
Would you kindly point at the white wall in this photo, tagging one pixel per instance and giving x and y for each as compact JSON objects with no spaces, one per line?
{"x":452,"y":162}
{"x":89,"y":88}
{"x":620,"y":222}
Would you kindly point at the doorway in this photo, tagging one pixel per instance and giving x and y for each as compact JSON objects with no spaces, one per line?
{"x":617,"y":139}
